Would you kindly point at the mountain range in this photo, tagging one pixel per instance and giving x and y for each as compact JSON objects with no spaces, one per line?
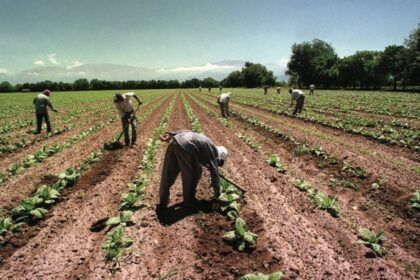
{"x":115,"y":72}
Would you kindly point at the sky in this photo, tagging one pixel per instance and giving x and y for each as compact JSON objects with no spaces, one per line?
{"x":188,"y":33}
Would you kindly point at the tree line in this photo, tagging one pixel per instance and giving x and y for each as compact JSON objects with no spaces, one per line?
{"x":317,"y":63}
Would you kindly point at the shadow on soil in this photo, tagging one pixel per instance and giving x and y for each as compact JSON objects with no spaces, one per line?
{"x":175,"y":213}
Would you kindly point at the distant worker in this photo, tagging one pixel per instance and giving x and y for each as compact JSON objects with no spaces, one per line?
{"x":266,"y":90}
{"x":223,"y":101}
{"x":299,"y":97}
{"x":41,"y":102}
{"x":186,"y":152}
{"x":311,"y":89}
{"x":209,"y":89}
{"x":220,"y":88}
{"x":278,"y":90}
{"x":199,"y":89}
{"x":127,"y":113}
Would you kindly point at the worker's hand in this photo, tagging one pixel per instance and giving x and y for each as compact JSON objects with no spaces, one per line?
{"x":165,"y":137}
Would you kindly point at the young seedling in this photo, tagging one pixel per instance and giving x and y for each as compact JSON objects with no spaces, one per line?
{"x":28,"y":209}
{"x":415,"y":200}
{"x":68,"y":178}
{"x":116,"y":243}
{"x":124,"y":218}
{"x":274,"y":161}
{"x":15,"y":169}
{"x":343,"y":183}
{"x":47,"y":195}
{"x":260,"y":276}
{"x":128,"y":200}
{"x":372,"y":240}
{"x":324,"y":202}
{"x":302,"y":185}
{"x":356,"y":171}
{"x":241,"y":237}
{"x":6,"y":224}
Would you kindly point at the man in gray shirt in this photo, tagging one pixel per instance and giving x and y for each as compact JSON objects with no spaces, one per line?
{"x":186,"y":152}
{"x":41,"y":102}
{"x":299,"y":97}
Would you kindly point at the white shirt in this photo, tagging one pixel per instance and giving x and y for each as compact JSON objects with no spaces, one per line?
{"x":224,"y":97}
{"x":296,"y":93}
{"x":311,"y":87}
{"x":126,"y":105}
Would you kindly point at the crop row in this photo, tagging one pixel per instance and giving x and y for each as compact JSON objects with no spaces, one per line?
{"x":117,"y":241}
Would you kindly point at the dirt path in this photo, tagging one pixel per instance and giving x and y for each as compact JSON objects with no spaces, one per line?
{"x":64,"y":245}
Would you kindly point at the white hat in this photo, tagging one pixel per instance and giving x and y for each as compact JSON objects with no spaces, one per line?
{"x":223,"y":152}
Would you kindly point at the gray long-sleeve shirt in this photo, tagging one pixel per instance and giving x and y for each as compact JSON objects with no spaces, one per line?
{"x":41,"y":103}
{"x":201,"y":146}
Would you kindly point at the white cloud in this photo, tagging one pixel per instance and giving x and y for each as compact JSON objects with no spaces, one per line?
{"x":74,"y":64}
{"x":202,"y":68}
{"x":52,"y":59}
{"x":283,"y":62}
{"x":3,"y":71}
{"x":39,"y":62}
{"x":33,"y":73}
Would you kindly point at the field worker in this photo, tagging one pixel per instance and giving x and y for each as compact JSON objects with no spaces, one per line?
{"x":186,"y":152}
{"x":299,"y":97}
{"x":209,"y":89}
{"x":266,"y":89}
{"x":311,"y":89}
{"x":278,"y":90}
{"x":220,"y":89}
{"x":223,"y":101}
{"x":42,"y":101}
{"x":128,"y":117}
{"x":199,"y":89}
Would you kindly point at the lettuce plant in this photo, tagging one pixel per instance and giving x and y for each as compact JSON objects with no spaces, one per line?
{"x":47,"y":194}
{"x":115,"y":243}
{"x":15,"y":169}
{"x":260,"y":276}
{"x":415,"y":200}
{"x":372,"y":240}
{"x":128,"y":200}
{"x":274,"y":161}
{"x":325,"y":202}
{"x":68,"y":178}
{"x":302,"y":185}
{"x":7,"y":224}
{"x":124,"y":218}
{"x":241,"y":237}
{"x":28,"y":209}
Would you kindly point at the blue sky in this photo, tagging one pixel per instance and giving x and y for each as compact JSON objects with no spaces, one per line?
{"x":176,"y":33}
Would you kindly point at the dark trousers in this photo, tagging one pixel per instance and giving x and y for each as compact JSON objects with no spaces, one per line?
{"x":224,"y":108}
{"x":126,"y":123}
{"x":178,"y":160}
{"x":299,"y":104}
{"x":39,"y":118}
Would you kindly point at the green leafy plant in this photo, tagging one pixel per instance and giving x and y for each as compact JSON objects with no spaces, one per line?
{"x":302,"y":185}
{"x":260,"y":276}
{"x":68,"y":178}
{"x":3,"y":178}
{"x":47,"y":194}
{"x":325,"y":202}
{"x":6,"y":224}
{"x":28,"y":209}
{"x":356,"y":171}
{"x":415,"y":200}
{"x":343,"y":183}
{"x":116,"y":243}
{"x":128,"y":200}
{"x":274,"y":161}
{"x":241,"y":237}
{"x":372,"y":240}
{"x":124,"y":218}
{"x":15,"y":169}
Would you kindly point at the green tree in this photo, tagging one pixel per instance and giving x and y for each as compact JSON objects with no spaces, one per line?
{"x":234,"y":79}
{"x":6,"y":87}
{"x":313,"y":62}
{"x":257,"y":75}
{"x":81,"y":84}
{"x":412,"y":71}
{"x":393,"y":62}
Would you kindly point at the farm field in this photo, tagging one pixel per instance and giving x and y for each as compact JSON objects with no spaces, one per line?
{"x":332,"y":193}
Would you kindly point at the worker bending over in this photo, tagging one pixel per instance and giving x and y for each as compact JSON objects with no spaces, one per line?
{"x":128,"y":117}
{"x":299,"y":97}
{"x":223,"y":101}
{"x":186,"y":152}
{"x":41,"y":102}
{"x":311,"y":89}
{"x":278,"y":89}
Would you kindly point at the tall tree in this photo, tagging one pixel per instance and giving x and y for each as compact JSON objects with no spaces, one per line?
{"x":393,"y":62}
{"x":257,"y":75}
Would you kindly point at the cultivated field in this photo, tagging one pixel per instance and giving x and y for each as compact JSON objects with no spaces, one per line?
{"x":313,"y":185}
